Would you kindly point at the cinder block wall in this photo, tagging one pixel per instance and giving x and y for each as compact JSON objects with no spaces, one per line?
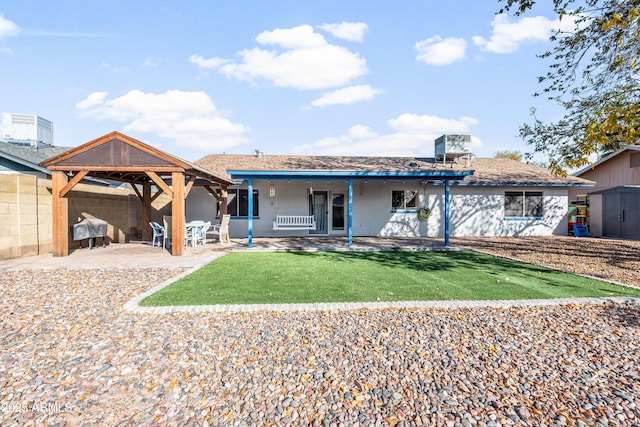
{"x":117,"y":206}
{"x":26,"y":222}
{"x":25,"y":216}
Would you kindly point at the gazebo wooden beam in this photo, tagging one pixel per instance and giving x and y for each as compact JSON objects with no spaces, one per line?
{"x":76,"y":179}
{"x":160,"y":183}
{"x":192,"y":181}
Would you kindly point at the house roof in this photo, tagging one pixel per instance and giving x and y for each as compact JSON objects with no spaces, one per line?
{"x":486,"y":171}
{"x":606,"y":158}
{"x":28,"y":156}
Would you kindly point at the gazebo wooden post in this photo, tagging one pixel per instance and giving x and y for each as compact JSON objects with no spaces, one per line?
{"x":177,"y":213}
{"x":60,"y":214}
{"x":146,"y":211}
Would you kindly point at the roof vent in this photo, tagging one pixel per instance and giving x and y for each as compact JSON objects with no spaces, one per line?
{"x":259,"y":153}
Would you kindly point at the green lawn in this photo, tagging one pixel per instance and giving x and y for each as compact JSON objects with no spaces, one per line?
{"x":307,"y":277}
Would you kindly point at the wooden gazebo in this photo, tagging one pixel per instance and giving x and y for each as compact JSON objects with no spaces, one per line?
{"x":119,"y":157}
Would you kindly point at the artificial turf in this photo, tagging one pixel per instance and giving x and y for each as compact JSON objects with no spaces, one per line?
{"x":310,"y":277}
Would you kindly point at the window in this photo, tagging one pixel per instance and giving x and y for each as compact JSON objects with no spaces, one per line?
{"x":404,"y":199}
{"x":635,"y":160}
{"x":525,"y":204}
{"x":238,"y":203}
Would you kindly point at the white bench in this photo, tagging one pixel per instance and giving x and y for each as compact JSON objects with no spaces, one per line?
{"x":294,"y":222}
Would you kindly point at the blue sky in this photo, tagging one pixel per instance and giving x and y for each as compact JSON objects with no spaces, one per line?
{"x":287,"y":77}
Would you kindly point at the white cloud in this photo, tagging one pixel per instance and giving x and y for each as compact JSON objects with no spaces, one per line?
{"x":348,"y":95}
{"x":8,"y":28}
{"x":508,"y":36}
{"x":206,"y":63}
{"x":439,"y":51}
{"x":190,"y":119}
{"x":352,"y":31}
{"x":151,"y":61}
{"x":300,"y":58}
{"x":411,"y":135}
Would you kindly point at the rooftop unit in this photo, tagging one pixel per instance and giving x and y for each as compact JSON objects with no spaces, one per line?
{"x":26,"y":129}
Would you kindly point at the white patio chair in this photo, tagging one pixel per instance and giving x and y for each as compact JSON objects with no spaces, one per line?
{"x":221,"y":230}
{"x":158,"y":233}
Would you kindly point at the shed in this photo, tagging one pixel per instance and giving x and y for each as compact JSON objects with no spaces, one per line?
{"x":615,"y":212}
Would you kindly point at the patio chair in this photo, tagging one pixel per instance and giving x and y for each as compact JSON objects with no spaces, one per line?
{"x":158,"y":233}
{"x":221,"y":230}
{"x":167,"y":230}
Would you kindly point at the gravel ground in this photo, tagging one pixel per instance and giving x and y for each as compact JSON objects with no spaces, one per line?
{"x":70,"y":355}
{"x":609,"y":259}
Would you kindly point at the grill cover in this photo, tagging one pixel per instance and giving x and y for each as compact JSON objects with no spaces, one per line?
{"x":89,"y":228}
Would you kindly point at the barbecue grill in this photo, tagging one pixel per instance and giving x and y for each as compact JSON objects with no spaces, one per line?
{"x":90,"y":229}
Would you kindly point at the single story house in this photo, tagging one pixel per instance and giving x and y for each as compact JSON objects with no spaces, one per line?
{"x":614,"y":202}
{"x":285,"y":195}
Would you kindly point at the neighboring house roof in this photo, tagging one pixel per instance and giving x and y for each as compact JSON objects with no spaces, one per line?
{"x":606,"y":158}
{"x":486,"y":171}
{"x":28,"y":156}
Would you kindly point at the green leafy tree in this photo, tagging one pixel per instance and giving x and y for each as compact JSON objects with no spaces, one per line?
{"x":593,"y":76}
{"x":508,"y":154}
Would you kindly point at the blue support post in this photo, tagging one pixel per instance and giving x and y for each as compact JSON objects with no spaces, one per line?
{"x":250,"y":213}
{"x":350,"y":213}
{"x":446,"y":212}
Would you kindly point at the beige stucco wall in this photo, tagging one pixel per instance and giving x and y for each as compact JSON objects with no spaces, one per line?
{"x":26,"y":221}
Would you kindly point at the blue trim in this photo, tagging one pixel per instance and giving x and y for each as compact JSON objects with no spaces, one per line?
{"x":523,"y":218}
{"x":350,"y":215}
{"x":239,"y":218}
{"x":250,"y":209}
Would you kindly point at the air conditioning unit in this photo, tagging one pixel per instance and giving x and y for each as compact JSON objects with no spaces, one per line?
{"x":450,"y":147}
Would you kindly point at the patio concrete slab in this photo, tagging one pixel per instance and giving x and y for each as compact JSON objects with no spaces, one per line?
{"x":142,"y":254}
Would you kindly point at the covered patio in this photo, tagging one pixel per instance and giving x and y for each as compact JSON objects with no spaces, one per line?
{"x":118,"y":157}
{"x":349,"y":176}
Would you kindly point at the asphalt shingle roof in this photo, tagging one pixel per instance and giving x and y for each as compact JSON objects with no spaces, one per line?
{"x":487,"y":171}
{"x":29,"y":154}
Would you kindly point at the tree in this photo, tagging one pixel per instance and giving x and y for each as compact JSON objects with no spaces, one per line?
{"x":508,"y":154}
{"x":593,"y":76}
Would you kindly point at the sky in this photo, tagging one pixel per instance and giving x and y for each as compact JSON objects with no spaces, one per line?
{"x":196,"y":77}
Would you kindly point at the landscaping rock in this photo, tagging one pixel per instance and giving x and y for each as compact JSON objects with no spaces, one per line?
{"x":70,"y":355}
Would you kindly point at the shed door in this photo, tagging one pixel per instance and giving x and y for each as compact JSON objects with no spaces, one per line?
{"x":630,"y":203}
{"x":611,"y":209}
{"x":622,"y":215}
